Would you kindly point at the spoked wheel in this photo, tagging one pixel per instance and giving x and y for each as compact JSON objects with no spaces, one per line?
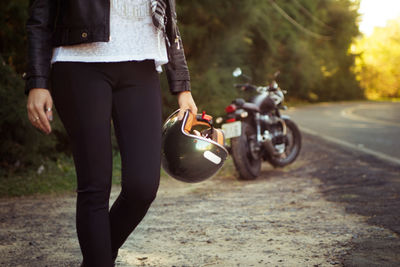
{"x":246,"y":153}
{"x":289,"y":146}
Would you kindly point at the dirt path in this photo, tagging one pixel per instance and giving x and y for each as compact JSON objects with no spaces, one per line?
{"x":332,"y":207}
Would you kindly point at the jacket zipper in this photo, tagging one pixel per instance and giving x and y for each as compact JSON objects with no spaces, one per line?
{"x":178,"y":45}
{"x":177,"y":37}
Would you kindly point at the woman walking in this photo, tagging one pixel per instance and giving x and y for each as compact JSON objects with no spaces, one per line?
{"x":98,"y":61}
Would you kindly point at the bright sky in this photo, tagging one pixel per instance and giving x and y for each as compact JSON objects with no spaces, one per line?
{"x":377,"y":13}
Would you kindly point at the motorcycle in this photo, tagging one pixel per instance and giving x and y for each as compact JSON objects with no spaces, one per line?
{"x":258,"y":131}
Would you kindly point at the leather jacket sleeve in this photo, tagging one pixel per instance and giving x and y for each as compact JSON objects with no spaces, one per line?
{"x":39,"y":28}
{"x":176,"y":69}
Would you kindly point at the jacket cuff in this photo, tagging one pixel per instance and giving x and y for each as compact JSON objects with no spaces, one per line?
{"x":181,"y":75}
{"x":179,"y":86}
{"x":36,"y":82}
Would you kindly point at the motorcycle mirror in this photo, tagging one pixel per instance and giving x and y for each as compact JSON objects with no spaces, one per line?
{"x":237,"y":72}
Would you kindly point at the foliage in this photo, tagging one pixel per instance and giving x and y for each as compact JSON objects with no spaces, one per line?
{"x":218,"y":36}
{"x":21,"y":143}
{"x":13,"y":14}
{"x":377,"y":66}
{"x":221,"y":35}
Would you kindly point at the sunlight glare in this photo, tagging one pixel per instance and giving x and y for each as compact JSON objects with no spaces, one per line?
{"x":376,"y":13}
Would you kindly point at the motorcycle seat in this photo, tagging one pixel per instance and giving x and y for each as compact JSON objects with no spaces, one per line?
{"x":251,"y":107}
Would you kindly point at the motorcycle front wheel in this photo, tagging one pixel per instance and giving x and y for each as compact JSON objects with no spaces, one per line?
{"x":292,"y":146}
{"x":245,"y":154}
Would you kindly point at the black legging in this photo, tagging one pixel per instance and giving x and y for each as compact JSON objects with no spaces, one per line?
{"x":87,"y":96}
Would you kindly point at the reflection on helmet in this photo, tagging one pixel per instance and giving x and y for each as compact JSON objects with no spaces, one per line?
{"x":188,"y":154}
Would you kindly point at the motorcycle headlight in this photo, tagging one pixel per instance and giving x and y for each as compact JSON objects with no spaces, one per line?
{"x":277,"y":97}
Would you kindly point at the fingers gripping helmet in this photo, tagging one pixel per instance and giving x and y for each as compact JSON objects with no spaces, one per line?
{"x":187,"y":154}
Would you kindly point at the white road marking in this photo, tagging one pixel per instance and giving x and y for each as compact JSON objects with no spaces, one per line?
{"x":356,"y":147}
{"x":348,"y":113}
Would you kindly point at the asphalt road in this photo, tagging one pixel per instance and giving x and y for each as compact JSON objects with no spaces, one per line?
{"x":370,"y":127}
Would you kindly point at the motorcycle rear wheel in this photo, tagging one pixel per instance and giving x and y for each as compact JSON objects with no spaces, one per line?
{"x":292,"y":146}
{"x":243,"y":153}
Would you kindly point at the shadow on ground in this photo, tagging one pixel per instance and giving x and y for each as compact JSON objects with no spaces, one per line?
{"x":366,"y":186}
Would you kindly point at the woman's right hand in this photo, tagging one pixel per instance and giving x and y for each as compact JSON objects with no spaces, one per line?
{"x":39,"y":107}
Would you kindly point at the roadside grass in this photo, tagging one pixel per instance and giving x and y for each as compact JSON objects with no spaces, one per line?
{"x":58,"y":178}
{"x":51,"y":178}
{"x":383,"y":99}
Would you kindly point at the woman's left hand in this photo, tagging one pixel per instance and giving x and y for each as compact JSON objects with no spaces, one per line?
{"x":185,"y":101}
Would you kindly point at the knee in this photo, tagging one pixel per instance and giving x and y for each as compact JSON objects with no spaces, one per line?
{"x":94,"y":198}
{"x":139,"y":194}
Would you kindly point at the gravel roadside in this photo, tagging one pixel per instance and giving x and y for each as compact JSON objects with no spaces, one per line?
{"x":331,"y":207}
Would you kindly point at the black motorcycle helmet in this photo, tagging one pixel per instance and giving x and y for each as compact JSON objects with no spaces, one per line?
{"x":188,"y":154}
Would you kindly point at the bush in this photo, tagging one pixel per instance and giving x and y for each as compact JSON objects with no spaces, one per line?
{"x":22,"y":144}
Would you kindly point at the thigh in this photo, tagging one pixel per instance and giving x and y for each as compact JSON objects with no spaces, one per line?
{"x":82,"y":96}
{"x":136,"y":115}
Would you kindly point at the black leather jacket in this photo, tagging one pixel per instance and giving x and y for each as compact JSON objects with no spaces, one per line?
{"x":66,"y":22}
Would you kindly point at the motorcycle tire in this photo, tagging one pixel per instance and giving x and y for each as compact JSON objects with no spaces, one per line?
{"x":247,"y":166}
{"x":293,"y":142}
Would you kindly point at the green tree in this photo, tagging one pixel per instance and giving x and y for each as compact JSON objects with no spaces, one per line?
{"x":307,"y":40}
{"x":377,"y":66}
{"x":310,"y":48}
{"x":13,"y":14}
{"x":21,"y":144}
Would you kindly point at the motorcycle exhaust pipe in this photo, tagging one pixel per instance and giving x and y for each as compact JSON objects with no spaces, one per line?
{"x":267,"y":144}
{"x":267,"y":139}
{"x":269,"y":147}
